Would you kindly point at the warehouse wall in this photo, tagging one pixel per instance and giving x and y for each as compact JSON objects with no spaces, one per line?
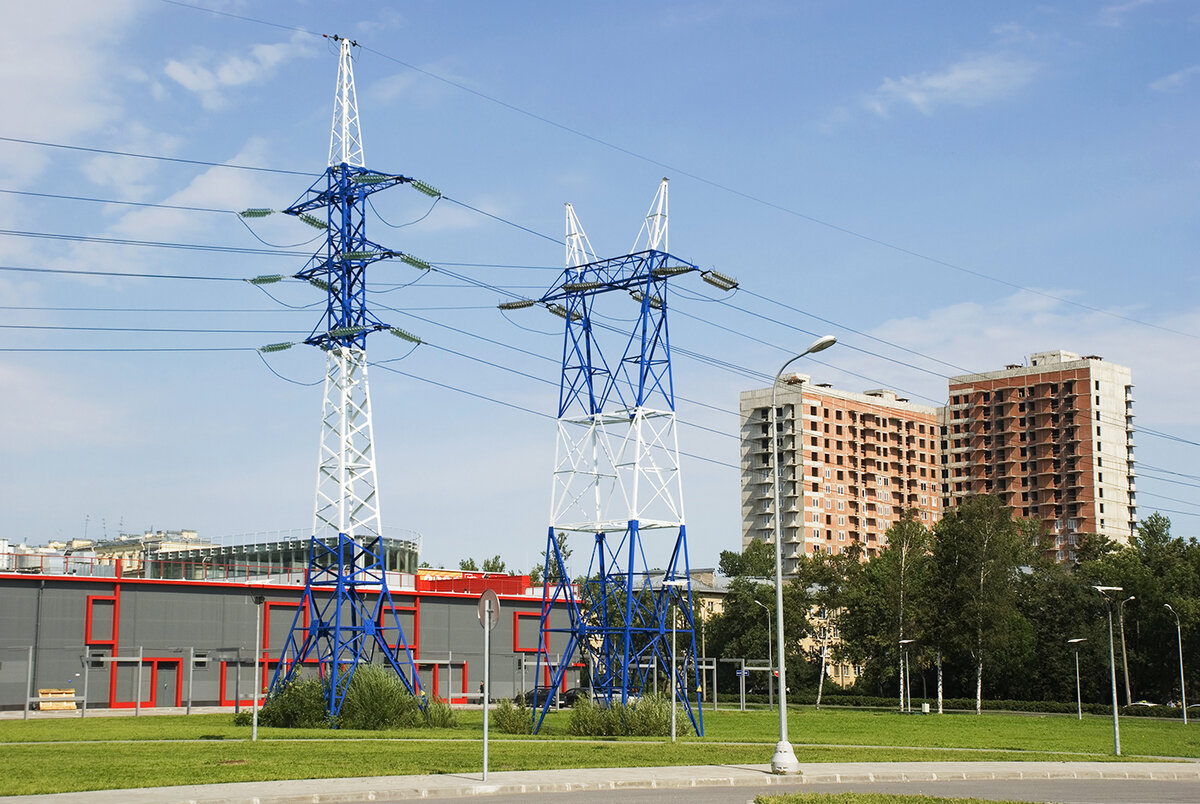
{"x":63,"y":617}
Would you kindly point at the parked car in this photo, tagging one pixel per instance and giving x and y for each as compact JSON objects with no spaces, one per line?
{"x":567,"y":697}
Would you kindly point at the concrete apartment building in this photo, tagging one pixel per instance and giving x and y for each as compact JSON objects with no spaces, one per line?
{"x":1053,"y":439}
{"x":867,"y":458}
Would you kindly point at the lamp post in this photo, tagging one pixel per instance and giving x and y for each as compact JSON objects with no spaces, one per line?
{"x":1078,"y":695}
{"x":1124,"y":658}
{"x":784,"y":760}
{"x":674,"y":585}
{"x":904,"y":643}
{"x":770,"y":659}
{"x":1112,"y":664}
{"x":258,"y":602}
{"x":1179,"y":635}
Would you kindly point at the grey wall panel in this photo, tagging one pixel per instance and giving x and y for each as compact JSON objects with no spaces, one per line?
{"x":166,"y":619}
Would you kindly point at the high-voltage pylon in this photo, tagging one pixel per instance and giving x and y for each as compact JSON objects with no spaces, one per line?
{"x":616,"y":476}
{"x":336,"y":621}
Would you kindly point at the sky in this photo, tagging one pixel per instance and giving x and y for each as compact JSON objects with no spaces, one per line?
{"x":946,"y":187}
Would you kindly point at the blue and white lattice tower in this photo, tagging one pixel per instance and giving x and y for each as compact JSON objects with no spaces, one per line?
{"x":346,"y":616}
{"x":616,"y":476}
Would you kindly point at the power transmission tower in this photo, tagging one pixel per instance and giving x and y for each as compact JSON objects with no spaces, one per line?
{"x":346,"y":615}
{"x":616,"y":476}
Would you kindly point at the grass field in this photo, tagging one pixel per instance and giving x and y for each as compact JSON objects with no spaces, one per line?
{"x":62,"y":755}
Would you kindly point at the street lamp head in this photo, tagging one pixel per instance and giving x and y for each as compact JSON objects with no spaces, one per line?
{"x":1076,"y":640}
{"x":1167,"y":606}
{"x":821,"y":344}
{"x":1103,"y":589}
{"x":907,"y":641}
{"x":1131,"y":597}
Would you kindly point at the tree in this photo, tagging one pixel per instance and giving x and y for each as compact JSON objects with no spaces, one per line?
{"x":468,"y":565}
{"x":977,"y":553}
{"x":888,"y":599}
{"x":552,"y":568}
{"x":757,"y":561}
{"x":493,"y":564}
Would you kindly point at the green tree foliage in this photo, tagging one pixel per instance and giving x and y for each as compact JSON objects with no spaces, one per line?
{"x":493,"y":564}
{"x":978,"y":552}
{"x":468,"y":565}
{"x":1157,"y":569}
{"x":757,"y":561}
{"x":889,"y":599}
{"x":551,"y":568}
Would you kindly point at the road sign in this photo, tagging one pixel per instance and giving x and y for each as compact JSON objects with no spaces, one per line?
{"x":489,"y":619}
{"x":742,"y":672}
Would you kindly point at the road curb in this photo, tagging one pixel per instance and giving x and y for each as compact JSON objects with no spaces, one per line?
{"x":402,"y":788}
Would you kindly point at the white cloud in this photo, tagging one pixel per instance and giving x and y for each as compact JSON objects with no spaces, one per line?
{"x":209,"y":76}
{"x":985,"y":337}
{"x":59,"y":69}
{"x":1176,"y":80}
{"x":971,"y":82}
{"x":1114,"y":16}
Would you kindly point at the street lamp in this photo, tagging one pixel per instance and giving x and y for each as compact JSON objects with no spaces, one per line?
{"x":1124,"y":658}
{"x":770,"y":659}
{"x":904,"y":643}
{"x":1179,"y":635}
{"x":674,"y":583}
{"x":784,"y":760}
{"x":1078,"y":695}
{"x":258,"y":602}
{"x":1112,"y":663}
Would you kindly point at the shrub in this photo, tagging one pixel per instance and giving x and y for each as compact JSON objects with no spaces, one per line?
{"x":513,"y":718}
{"x":375,"y":700}
{"x":648,"y":717}
{"x":300,"y":704}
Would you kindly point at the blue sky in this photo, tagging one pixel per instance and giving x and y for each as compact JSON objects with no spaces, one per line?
{"x":967,"y":183}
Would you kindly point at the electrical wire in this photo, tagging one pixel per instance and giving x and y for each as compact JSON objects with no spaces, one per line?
{"x":118,"y":241}
{"x":153,"y":329}
{"x":61,"y":197}
{"x":129,"y":274}
{"x":385,"y":222}
{"x":271,"y":369}
{"x":175,"y":159}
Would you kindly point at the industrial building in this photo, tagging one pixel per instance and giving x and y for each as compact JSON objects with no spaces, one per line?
{"x":127,"y":641}
{"x":1053,"y":439}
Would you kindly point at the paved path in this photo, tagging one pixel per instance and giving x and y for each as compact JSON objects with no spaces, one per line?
{"x":402,"y":788}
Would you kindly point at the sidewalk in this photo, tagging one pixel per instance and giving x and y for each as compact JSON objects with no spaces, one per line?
{"x":562,"y":781}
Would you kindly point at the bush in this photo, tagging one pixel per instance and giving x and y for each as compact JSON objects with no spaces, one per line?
{"x":648,"y":717}
{"x":300,"y":704}
{"x":513,"y":718}
{"x":375,"y":700}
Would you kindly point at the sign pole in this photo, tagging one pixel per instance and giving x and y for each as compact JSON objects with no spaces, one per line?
{"x":487,"y":650}
{"x":489,"y":615}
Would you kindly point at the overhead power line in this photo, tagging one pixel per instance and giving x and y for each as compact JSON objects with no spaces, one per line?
{"x":179,"y":160}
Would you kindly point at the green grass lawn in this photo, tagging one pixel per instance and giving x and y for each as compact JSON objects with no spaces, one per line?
{"x":97,"y":753}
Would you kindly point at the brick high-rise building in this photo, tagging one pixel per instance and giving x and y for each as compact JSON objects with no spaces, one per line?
{"x":1053,"y":440}
{"x":867,"y":458}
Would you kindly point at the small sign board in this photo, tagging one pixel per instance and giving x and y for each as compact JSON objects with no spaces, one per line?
{"x":742,"y":672}
{"x":489,"y":622}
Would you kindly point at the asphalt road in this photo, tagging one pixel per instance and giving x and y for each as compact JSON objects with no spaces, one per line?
{"x":1062,"y":791}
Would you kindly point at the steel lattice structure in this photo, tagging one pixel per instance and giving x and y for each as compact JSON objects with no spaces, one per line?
{"x":345,"y":626}
{"x":617,"y":477}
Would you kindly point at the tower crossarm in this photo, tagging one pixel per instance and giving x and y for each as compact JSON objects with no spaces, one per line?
{"x":629,"y":272}
{"x":340,"y":181}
